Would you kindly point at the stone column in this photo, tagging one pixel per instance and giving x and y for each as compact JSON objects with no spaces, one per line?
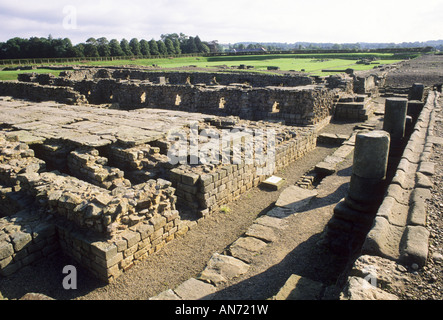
{"x":395,"y":118}
{"x":369,"y":170}
{"x":417,"y":92}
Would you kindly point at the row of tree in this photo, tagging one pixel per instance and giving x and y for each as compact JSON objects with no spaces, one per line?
{"x":169,"y":44}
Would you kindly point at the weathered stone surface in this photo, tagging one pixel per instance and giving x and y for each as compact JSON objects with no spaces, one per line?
{"x":279,"y":212}
{"x":371,"y":154}
{"x":261,"y":232}
{"x":35,"y":296}
{"x":427,"y":168}
{"x":194,"y":289}
{"x":271,"y":221}
{"x":395,"y":117}
{"x":415,"y":244}
{"x":166,"y":295}
{"x":273,"y":183}
{"x":299,"y":288}
{"x":360,"y":289}
{"x":383,"y":239}
{"x":417,"y":214}
{"x":221,"y":269}
{"x":379,"y":271}
{"x":246,"y":248}
{"x":396,"y":213}
{"x":295,"y":198}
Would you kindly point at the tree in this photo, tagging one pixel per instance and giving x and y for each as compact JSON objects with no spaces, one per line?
{"x":103,"y":47}
{"x":115,"y":49}
{"x":91,"y":50}
{"x":162,"y":48}
{"x":190,"y":46}
{"x":135,"y":47}
{"x":178,"y":50}
{"x":79,"y":50}
{"x":124,"y":44}
{"x":154,"y":47}
{"x":201,"y":47}
{"x":144,"y":48}
{"x":170,"y":46}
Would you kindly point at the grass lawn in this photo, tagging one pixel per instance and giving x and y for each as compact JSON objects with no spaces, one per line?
{"x":12,"y":75}
{"x":311,"y":63}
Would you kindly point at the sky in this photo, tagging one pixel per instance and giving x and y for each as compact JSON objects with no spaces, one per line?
{"x":228,"y":21}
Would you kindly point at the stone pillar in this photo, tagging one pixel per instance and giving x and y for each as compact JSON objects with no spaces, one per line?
{"x":417,"y":92}
{"x":395,"y":118}
{"x":354,"y":215}
{"x":369,"y":170}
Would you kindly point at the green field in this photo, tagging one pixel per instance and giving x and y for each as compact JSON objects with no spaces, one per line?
{"x":311,"y":63}
{"x":12,"y":75}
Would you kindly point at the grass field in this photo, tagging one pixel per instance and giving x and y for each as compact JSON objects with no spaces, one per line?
{"x":12,"y":75}
{"x":311,"y":63}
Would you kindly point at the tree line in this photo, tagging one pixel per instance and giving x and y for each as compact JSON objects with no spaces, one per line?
{"x":169,"y":44}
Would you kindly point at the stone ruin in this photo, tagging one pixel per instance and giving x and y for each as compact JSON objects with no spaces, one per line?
{"x":85,"y":166}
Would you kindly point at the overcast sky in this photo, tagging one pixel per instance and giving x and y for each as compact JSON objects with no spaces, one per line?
{"x":228,"y":21}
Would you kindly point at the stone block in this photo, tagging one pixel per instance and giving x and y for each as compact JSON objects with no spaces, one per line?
{"x":246,"y":248}
{"x":104,"y":250}
{"x":20,"y":240}
{"x":221,"y":269}
{"x":261,"y":232}
{"x":194,"y":289}
{"x":415,"y":245}
{"x":6,"y":250}
{"x":295,"y":198}
{"x":273,"y":183}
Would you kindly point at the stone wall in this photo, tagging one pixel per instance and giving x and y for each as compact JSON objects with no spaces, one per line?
{"x":399,"y":235}
{"x":293,"y":99}
{"x":36,"y":92}
{"x":192,"y":78}
{"x":205,"y":189}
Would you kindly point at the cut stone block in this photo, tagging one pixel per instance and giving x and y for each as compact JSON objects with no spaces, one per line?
{"x":427,"y":168}
{"x":295,"y":198}
{"x":271,"y":221}
{"x":261,"y":232}
{"x":415,"y":245}
{"x":194,"y":289}
{"x":383,"y":240}
{"x":221,"y":269}
{"x":246,"y":248}
{"x":273,"y":183}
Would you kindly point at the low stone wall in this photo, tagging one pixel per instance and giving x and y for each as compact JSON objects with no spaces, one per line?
{"x":208,"y":192}
{"x":297,"y":100}
{"x":88,"y":165}
{"x":295,"y":105}
{"x":183,"y":77}
{"x":88,"y":219}
{"x":36,"y":92}
{"x":399,"y":234}
{"x":24,"y":239}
